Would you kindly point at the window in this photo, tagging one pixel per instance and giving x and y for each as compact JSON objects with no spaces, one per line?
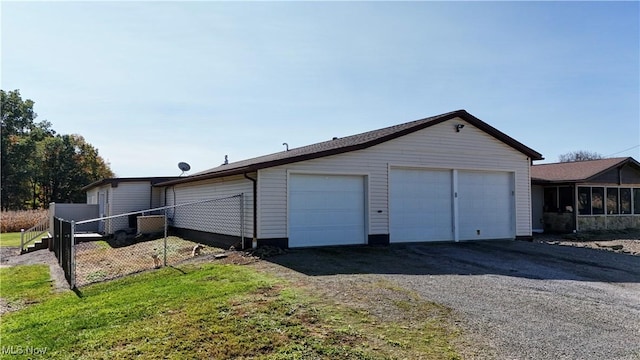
{"x":609,"y":200}
{"x":597,"y":200}
{"x":565,"y":198}
{"x":584,"y":201}
{"x":550,"y":199}
{"x":625,"y":201}
{"x":558,"y":199}
{"x":612,"y":200}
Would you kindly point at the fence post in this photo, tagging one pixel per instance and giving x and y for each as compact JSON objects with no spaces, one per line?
{"x":61,"y":237}
{"x":165,"y":237}
{"x":72,"y":256}
{"x":21,"y":240}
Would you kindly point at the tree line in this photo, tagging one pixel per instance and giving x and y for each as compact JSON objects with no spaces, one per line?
{"x":40,"y":166}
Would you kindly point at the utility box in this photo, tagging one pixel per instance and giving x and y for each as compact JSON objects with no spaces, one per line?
{"x":150,"y":224}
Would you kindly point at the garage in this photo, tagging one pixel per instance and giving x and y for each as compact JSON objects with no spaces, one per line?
{"x":449,"y":177}
{"x":326,"y":210}
{"x":421,"y":207}
{"x":427,"y":205}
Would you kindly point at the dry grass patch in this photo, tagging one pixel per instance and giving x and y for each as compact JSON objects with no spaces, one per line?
{"x":100,"y":260}
{"x":13,"y":221}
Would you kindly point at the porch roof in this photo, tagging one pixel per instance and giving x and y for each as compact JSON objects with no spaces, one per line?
{"x":578,"y":171}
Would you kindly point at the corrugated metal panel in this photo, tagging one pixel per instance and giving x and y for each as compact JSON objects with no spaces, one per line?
{"x":439,"y":146}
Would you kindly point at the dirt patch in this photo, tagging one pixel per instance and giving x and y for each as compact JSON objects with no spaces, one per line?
{"x":99,"y":261}
{"x":6,"y":306}
{"x":372,"y":293}
{"x":617,"y":245}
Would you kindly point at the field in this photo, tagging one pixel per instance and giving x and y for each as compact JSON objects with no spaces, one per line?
{"x":13,"y":221}
{"x":211,"y":311}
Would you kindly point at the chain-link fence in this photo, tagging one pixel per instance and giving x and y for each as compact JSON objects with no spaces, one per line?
{"x":148,"y":239}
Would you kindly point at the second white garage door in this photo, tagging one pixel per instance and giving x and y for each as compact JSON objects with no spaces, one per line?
{"x":427,"y":205}
{"x":421,"y":206}
{"x":326,"y":210}
{"x":485,"y":203}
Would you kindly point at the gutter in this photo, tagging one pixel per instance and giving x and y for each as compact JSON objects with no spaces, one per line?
{"x":254,"y":242}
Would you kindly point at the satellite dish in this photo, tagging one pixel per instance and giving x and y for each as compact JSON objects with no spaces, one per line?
{"x":184,"y":167}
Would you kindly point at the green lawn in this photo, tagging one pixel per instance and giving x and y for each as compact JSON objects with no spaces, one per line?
{"x":25,"y":284}
{"x":213,"y":311}
{"x":10,"y":239}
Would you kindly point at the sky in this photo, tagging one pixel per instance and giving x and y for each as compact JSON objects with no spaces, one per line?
{"x":151,"y":84}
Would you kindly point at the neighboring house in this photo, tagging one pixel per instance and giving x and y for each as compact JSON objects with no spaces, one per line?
{"x":586,"y":195}
{"x":450,"y":177}
{"x":123,"y":195}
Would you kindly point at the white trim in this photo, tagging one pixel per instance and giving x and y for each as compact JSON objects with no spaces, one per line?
{"x":463,"y":168}
{"x":456,"y":213}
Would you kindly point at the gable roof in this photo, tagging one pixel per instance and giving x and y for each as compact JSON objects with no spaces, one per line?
{"x":350,"y":143}
{"x":577,"y":171}
{"x":115,"y":181}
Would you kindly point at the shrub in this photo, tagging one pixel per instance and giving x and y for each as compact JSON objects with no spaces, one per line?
{"x":13,"y":221}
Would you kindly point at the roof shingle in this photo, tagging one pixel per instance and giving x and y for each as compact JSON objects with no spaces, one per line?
{"x":574,"y":171}
{"x":350,"y":143}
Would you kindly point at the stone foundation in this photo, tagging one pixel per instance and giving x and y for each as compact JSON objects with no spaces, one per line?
{"x":611,"y":222}
{"x":558,"y":222}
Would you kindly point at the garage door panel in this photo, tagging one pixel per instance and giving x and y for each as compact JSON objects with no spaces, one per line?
{"x":420,"y":205}
{"x":485,"y":204}
{"x":326,"y":210}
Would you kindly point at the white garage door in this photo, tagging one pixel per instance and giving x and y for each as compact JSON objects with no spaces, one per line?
{"x":420,"y":205}
{"x":485,"y":205}
{"x":326,"y":210}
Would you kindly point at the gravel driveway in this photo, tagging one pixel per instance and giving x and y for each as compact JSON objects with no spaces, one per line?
{"x":514,"y":299}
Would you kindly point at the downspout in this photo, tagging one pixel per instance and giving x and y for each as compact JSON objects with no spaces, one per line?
{"x":165,"y":195}
{"x":254,"y":242}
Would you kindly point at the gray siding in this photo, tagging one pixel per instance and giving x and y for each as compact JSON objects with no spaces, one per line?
{"x":216,"y":216}
{"x":130,"y":196}
{"x":92,"y":196}
{"x":608,"y":178}
{"x":157,"y":197}
{"x":437,"y":147}
{"x":127,"y":197}
{"x":630,"y":175}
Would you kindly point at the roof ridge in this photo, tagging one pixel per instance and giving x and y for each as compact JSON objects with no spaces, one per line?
{"x":584,"y":161}
{"x":350,"y":143}
{"x":342,"y":139}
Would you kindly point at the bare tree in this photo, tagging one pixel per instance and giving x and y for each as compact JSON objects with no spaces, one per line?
{"x":580,"y":155}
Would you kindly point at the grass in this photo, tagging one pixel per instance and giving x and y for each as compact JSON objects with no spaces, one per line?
{"x":216,"y":311}
{"x":25,"y":284}
{"x":11,"y":239}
